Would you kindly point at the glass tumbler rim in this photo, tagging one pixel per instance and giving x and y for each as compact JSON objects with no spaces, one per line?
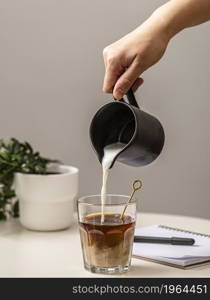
{"x":82,"y":202}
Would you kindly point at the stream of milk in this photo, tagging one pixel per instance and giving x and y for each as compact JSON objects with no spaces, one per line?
{"x":110,"y":152}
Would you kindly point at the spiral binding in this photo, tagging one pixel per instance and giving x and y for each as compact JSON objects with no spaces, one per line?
{"x":185,"y":231}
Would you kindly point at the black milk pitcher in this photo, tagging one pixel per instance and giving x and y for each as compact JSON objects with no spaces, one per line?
{"x":119,"y":121}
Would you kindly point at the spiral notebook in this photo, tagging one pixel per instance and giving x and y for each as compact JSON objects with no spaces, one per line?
{"x":173,"y":255}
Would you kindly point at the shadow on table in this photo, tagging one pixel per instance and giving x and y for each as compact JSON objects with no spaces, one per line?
{"x":146,"y":270}
{"x":13,"y":228}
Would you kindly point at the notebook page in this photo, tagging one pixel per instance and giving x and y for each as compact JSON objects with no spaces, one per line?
{"x":182,"y":255}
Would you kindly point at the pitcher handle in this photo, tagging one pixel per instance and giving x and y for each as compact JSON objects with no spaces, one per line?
{"x":131,"y":98}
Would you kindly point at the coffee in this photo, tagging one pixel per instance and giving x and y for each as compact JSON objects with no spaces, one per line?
{"x":110,"y":152}
{"x":108,"y":244}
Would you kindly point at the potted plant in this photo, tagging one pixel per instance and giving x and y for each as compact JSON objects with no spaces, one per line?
{"x":42,"y":190}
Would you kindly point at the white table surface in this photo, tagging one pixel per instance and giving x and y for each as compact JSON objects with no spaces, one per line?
{"x":26,"y":253}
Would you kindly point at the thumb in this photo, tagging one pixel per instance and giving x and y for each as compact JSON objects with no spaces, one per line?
{"x":127,"y":79}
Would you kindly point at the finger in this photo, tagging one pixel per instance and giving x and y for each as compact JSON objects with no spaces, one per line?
{"x":111,"y":76}
{"x":110,"y":79}
{"x":137,"y":84}
{"x":127,"y":79}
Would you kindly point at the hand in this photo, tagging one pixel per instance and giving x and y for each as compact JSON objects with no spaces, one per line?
{"x":126,"y":59}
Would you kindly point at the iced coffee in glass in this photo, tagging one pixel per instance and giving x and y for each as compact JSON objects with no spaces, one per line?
{"x":106,"y":235}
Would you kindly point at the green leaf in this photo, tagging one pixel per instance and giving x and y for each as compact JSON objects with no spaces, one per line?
{"x":17,"y":157}
{"x":2,"y":215}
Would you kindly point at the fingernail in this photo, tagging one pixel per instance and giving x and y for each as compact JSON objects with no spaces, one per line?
{"x":118,"y":93}
{"x":118,"y":96}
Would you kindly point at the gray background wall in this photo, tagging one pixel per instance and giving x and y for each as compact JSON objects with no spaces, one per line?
{"x":51,"y":73}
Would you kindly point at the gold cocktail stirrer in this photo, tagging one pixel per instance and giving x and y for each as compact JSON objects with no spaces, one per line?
{"x":137,"y":184}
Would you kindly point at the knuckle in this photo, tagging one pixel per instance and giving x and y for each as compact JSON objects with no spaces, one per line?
{"x":111,"y":59}
{"x":127,"y":82}
{"x":140,"y":60}
{"x":109,"y":56}
{"x":124,"y":85}
{"x":105,"y":51}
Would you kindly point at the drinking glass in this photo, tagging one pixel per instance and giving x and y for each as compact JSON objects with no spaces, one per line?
{"x":106,"y":243}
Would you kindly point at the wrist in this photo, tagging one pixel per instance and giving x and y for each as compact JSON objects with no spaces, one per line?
{"x":167,"y":18}
{"x":163,"y":25}
{"x":157,"y":26}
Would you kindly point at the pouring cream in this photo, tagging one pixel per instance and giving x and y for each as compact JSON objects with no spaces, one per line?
{"x":110,"y":152}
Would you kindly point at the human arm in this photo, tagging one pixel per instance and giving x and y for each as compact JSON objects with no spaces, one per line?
{"x":126,"y":59}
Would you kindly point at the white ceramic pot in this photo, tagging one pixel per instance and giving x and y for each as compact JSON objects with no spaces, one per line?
{"x":47,"y":201}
